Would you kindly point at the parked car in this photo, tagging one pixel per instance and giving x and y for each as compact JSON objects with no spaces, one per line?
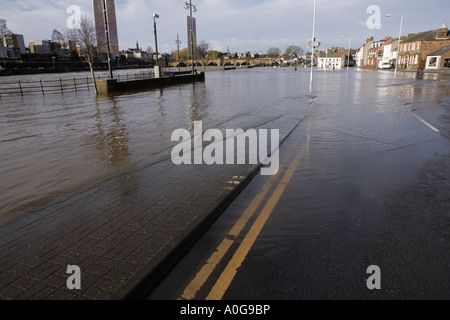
{"x":386,"y":65}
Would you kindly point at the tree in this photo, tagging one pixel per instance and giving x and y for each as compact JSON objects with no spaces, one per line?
{"x":150,"y":50}
{"x":4,"y":27}
{"x":85,"y":38}
{"x":273,"y":52}
{"x":184,"y":55}
{"x":57,"y":36}
{"x":214,"y":54}
{"x":203,"y":52}
{"x":74,"y":56}
{"x":3,"y":30}
{"x":293,"y":52}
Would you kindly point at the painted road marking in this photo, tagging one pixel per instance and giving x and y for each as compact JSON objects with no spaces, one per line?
{"x":239,"y":256}
{"x":426,"y":123}
{"x":202,"y":276}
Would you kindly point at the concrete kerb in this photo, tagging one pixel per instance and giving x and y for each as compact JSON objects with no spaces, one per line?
{"x":146,"y":280}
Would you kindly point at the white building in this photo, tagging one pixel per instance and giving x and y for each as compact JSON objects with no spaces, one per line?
{"x":390,"y":53}
{"x":331,"y":60}
{"x":360,"y":57}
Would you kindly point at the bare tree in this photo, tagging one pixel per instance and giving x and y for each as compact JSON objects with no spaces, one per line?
{"x":4,"y":27}
{"x":57,"y":36}
{"x":3,"y":30}
{"x":293,"y":52}
{"x":85,"y":39}
{"x":204,"y":53}
{"x":273,"y":52}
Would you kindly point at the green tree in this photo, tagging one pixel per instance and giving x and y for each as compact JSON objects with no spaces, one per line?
{"x":214,"y":54}
{"x":183,"y":55}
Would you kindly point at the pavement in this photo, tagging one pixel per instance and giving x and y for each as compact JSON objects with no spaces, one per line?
{"x":124,"y":233}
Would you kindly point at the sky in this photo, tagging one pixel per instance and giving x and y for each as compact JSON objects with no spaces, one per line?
{"x":241,"y":26}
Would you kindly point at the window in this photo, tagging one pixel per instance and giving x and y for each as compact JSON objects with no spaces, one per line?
{"x":447,"y":63}
{"x":432,"y":62}
{"x":413,"y":46}
{"x":418,"y":46}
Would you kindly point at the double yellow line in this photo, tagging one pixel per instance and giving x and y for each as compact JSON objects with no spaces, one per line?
{"x":239,"y":256}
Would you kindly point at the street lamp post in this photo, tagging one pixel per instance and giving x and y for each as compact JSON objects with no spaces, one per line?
{"x":399,"y":40}
{"x":178,"y":42}
{"x":157,"y":68}
{"x":191,"y":8}
{"x":348,"y":60}
{"x":313,"y":47}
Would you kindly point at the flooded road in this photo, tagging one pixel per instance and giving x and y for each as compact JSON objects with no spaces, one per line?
{"x":363,"y":181}
{"x":54,"y":144}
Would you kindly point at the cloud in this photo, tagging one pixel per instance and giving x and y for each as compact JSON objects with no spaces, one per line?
{"x":241,"y":25}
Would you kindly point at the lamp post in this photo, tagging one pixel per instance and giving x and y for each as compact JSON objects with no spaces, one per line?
{"x":399,"y":40}
{"x":108,"y":41}
{"x":178,"y":42}
{"x":348,"y":62}
{"x":54,"y":66}
{"x":313,"y":47}
{"x":157,"y":67}
{"x":191,"y":8}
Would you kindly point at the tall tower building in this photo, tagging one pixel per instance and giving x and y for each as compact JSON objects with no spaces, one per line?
{"x":100,"y":26}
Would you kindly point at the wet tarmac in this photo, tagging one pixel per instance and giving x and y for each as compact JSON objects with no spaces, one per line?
{"x":371,"y":187}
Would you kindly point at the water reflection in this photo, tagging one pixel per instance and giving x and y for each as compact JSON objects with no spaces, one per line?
{"x":56,"y":144}
{"x":112,"y":139}
{"x":161,"y":107}
{"x":193,"y":110}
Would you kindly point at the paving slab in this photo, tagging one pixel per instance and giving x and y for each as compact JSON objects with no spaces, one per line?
{"x":124,"y":233}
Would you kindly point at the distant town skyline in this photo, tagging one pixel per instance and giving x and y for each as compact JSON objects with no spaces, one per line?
{"x":241,"y":26}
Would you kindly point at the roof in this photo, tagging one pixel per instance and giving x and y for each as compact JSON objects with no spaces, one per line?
{"x":427,"y":35}
{"x":440,"y":51}
{"x":331,"y":55}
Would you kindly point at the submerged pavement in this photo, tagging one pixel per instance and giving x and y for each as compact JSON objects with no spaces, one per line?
{"x":123,"y":233}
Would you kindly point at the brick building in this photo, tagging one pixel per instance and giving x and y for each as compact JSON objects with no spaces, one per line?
{"x":439,"y":59}
{"x":416,"y":47}
{"x":376,"y":52}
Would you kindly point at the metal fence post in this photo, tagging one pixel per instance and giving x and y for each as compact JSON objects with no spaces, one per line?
{"x":20,"y":86}
{"x":42,"y":88}
{"x":60,"y":82}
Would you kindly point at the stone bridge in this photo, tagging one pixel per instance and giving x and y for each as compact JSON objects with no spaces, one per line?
{"x":228,"y":62}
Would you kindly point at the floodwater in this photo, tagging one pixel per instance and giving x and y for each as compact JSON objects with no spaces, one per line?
{"x":52,"y":145}
{"x":55,"y":144}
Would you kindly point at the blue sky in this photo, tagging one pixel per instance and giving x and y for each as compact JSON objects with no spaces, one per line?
{"x":250,"y":25}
